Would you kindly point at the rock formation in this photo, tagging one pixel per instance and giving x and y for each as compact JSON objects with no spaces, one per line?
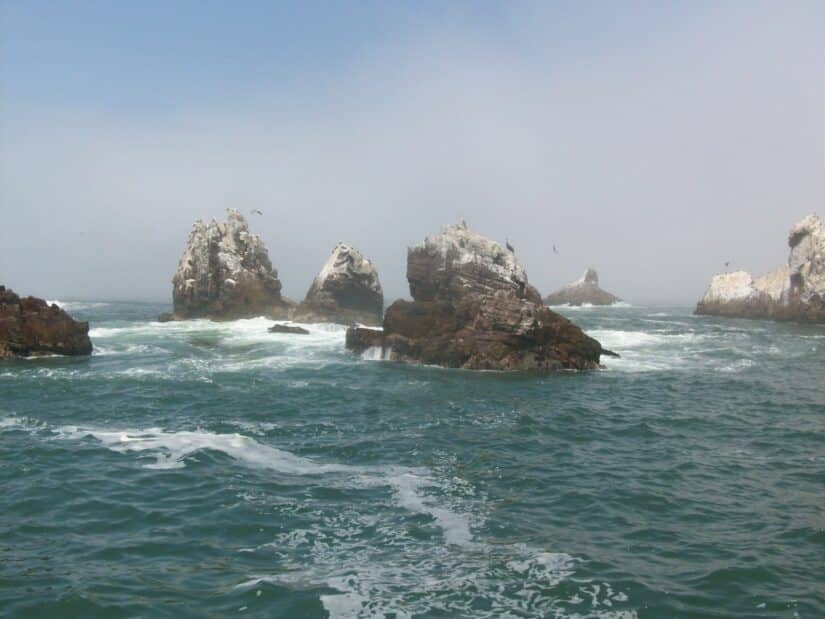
{"x":32,"y":327}
{"x":225,"y":273}
{"x":347,"y":291}
{"x":474,"y":308}
{"x":584,"y":290}
{"x":794,"y":292}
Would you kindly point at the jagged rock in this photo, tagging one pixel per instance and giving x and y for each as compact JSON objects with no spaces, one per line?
{"x":278,"y":328}
{"x":474,"y":308}
{"x":32,"y":327}
{"x":448,"y":266}
{"x":225,"y":273}
{"x":584,"y":290}
{"x":347,"y":290}
{"x":793,"y":292}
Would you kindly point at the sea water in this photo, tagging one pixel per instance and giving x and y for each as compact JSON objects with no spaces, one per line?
{"x":194,"y":469}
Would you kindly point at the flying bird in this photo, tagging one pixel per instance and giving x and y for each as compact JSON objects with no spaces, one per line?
{"x":255,"y":211}
{"x":555,"y":251}
{"x":727,"y":264}
{"x":510,"y":247}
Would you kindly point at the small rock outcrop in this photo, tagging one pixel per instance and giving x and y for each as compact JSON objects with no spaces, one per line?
{"x":347,"y":291}
{"x":583,"y":291}
{"x":793,"y":292}
{"x":279,"y":328}
{"x":32,"y":327}
{"x":225,"y":273}
{"x":474,"y":308}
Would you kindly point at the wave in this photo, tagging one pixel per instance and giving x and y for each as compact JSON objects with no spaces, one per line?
{"x":589,"y":306}
{"x":76,"y":305}
{"x":171,"y":449}
{"x":376,"y":353}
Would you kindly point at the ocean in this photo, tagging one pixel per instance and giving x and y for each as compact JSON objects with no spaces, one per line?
{"x":201,"y":469}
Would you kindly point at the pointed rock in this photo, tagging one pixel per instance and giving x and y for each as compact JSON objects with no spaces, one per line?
{"x":347,"y":290}
{"x":584,"y":290}
{"x":225,"y":273}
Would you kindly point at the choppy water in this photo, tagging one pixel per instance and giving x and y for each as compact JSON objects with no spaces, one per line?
{"x":206,"y":469}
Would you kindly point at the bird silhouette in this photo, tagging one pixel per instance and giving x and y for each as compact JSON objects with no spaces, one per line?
{"x":727,"y":264}
{"x":255,"y":211}
{"x":555,"y":251}
{"x":510,"y":247}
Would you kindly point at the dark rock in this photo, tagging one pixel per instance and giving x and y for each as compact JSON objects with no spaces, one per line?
{"x":584,"y":290}
{"x":166,"y":317}
{"x":32,"y":327}
{"x":225,"y":274}
{"x":346,"y":291}
{"x":278,"y":328}
{"x":473,"y":308}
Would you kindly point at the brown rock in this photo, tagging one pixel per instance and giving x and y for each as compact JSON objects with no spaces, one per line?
{"x":584,"y":290}
{"x":474,"y":309}
{"x":346,"y":291}
{"x":225,"y":274}
{"x":32,"y":327}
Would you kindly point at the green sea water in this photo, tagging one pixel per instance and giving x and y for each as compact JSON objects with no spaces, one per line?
{"x":205,"y":469}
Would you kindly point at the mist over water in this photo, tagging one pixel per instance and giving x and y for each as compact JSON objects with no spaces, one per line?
{"x":197,"y":467}
{"x":655,"y":143}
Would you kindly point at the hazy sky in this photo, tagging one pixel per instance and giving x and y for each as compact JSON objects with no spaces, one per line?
{"x":652,"y":140}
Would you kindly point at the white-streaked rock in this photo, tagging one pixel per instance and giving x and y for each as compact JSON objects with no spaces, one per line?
{"x":458,"y":261}
{"x":225,"y":273}
{"x":346,"y":290}
{"x":795,"y":291}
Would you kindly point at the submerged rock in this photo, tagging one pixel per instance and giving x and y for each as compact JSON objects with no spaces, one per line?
{"x":225,"y":273}
{"x":793,"y":292}
{"x":32,"y":327}
{"x":347,"y":291}
{"x":584,"y":290}
{"x":474,"y":308}
{"x":278,"y":328}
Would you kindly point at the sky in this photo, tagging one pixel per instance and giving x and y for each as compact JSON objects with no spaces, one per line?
{"x":654,"y":141}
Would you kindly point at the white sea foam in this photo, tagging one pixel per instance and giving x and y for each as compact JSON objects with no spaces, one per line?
{"x":75,"y":305}
{"x":170,"y":450}
{"x":376,"y":353}
{"x":590,"y":306}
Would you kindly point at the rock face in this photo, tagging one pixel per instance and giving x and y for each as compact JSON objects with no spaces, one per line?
{"x":347,"y":291}
{"x":474,"y":308}
{"x":584,"y":290}
{"x":225,"y":273}
{"x":458,"y":262}
{"x":31,"y":327}
{"x":793,"y":292}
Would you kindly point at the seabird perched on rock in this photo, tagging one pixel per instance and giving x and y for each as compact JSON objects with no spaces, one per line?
{"x":510,"y":247}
